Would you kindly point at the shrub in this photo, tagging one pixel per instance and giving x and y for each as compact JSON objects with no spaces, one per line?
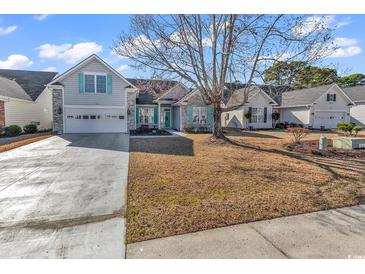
{"x":2,"y":130}
{"x":30,"y":128}
{"x":298,"y":133}
{"x":356,"y":130}
{"x":349,"y":129}
{"x":189,"y":129}
{"x":275,"y":116}
{"x":13,"y":130}
{"x":248,"y":115}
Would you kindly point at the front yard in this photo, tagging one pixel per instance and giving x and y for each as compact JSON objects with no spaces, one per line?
{"x":186,"y":184}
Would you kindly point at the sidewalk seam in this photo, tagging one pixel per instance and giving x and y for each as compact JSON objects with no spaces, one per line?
{"x":270,"y":242}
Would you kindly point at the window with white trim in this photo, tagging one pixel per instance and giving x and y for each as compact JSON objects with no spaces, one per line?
{"x":100,"y":83}
{"x":257,"y":115}
{"x":146,"y":115}
{"x":200,"y":115}
{"x":95,"y":83}
{"x":89,"y":83}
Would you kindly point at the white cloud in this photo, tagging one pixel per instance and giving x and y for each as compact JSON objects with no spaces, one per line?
{"x":40,"y":17}
{"x":52,"y":69}
{"x":16,"y":61}
{"x":114,"y":55}
{"x":346,"y":52}
{"x":315,"y":23}
{"x":7,"y":30}
{"x":343,"y":23}
{"x":347,"y":47}
{"x":68,"y":52}
{"x":345,"y":42}
{"x":123,"y":67}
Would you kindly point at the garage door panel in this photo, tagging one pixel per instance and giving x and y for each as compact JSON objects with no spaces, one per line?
{"x":328,"y":119}
{"x":80,"y":120}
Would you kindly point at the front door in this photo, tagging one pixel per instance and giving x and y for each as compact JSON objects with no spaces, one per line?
{"x":166,"y":118}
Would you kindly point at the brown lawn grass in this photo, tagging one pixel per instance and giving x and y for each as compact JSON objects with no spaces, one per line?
{"x":22,"y":142}
{"x":180,"y":185}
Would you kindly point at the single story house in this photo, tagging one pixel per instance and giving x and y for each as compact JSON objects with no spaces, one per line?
{"x":25,"y":99}
{"x":194,"y":113}
{"x":155,"y":101}
{"x":357,"y":112}
{"x":319,"y":107}
{"x":259,"y":104}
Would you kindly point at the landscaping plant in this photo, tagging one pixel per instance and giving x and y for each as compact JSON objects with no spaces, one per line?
{"x":248,"y":115}
{"x":349,"y":129}
{"x":30,"y":128}
{"x":298,"y":133}
{"x":13,"y":130}
{"x":275,"y":116}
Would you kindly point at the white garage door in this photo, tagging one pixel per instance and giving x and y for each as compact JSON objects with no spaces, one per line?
{"x":95,"y":120}
{"x":328,"y":119}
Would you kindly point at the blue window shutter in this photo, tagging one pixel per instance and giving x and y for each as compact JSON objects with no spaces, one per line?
{"x":190,"y":115}
{"x":109,"y":84}
{"x":155,"y":116}
{"x":137,"y":115}
{"x":81,"y":83}
{"x":210,"y":115}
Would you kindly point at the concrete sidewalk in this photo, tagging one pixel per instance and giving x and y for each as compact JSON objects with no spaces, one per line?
{"x":338,"y":233}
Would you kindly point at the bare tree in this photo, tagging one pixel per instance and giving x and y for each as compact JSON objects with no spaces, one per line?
{"x":207,"y":51}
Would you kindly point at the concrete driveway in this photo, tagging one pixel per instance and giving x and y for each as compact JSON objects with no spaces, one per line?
{"x":338,"y":233}
{"x":64,"y":197}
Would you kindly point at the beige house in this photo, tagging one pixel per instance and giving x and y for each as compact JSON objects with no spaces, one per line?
{"x":25,"y":99}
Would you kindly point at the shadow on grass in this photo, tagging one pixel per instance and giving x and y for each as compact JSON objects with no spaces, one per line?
{"x":328,"y":164}
{"x":241,"y":133}
{"x":179,"y":146}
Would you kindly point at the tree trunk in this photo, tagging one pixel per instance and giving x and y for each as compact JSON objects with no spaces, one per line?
{"x":217,"y":125}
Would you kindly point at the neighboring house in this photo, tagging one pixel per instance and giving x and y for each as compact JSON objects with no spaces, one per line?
{"x":319,"y":107}
{"x":170,"y":105}
{"x":259,"y":104}
{"x":92,"y":97}
{"x":357,"y":112}
{"x":25,"y":99}
{"x":155,"y":101}
{"x":193,"y":112}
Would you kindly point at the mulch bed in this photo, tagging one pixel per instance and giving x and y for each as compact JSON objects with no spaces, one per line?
{"x":150,"y":132}
{"x":312,"y":147}
{"x":23,"y":142}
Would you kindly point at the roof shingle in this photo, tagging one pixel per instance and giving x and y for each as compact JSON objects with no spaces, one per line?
{"x":10,"y":88}
{"x":32,"y":82}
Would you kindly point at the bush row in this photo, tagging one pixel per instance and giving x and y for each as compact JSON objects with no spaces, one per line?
{"x":15,"y":130}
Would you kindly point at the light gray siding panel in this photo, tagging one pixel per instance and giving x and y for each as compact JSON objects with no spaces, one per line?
{"x":358,"y":114}
{"x":73,"y":97}
{"x":298,"y":115}
{"x":176,"y":118}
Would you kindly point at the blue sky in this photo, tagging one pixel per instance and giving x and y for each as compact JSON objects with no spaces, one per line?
{"x":57,"y":42}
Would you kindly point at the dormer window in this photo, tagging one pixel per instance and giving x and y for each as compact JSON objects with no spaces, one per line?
{"x":331,"y":97}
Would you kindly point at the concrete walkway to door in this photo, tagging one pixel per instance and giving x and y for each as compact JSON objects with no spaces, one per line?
{"x":338,"y":233}
{"x":64,"y":197}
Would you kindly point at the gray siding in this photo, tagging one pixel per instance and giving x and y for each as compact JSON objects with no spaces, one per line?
{"x":176,"y":118}
{"x":73,"y":97}
{"x":195,"y":100}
